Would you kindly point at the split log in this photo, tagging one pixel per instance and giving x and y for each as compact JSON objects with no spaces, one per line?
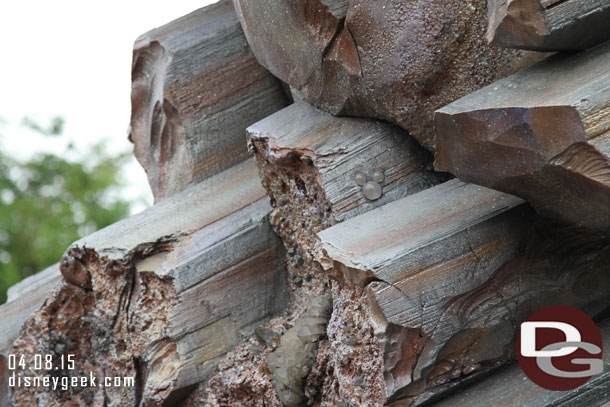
{"x":195,"y":88}
{"x":548,"y":25}
{"x":161,"y":296}
{"x":510,"y":388}
{"x":542,"y":134}
{"x":451,"y":272}
{"x":385,"y":60}
{"x":319,"y":169}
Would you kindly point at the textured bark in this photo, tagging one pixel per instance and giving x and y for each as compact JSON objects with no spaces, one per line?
{"x":195,"y":88}
{"x":542,"y":134}
{"x":511,"y":388}
{"x":451,"y":272}
{"x":548,"y":25}
{"x":397,"y":61}
{"x":161,"y":296}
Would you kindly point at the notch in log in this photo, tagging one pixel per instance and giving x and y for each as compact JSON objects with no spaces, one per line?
{"x":548,"y":25}
{"x":195,"y":88}
{"x":319,"y":169}
{"x":451,"y":272}
{"x":542,"y":134}
{"x":163,"y":295}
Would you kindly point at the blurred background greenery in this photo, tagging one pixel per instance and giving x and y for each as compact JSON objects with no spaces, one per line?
{"x":48,"y":200}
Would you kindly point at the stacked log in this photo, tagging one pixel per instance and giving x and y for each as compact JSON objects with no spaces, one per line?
{"x":160,"y":297}
{"x":335,"y":267}
{"x":195,"y":88}
{"x":451,"y":272}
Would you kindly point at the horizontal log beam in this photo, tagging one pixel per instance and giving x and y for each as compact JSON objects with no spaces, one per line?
{"x":319,"y":169}
{"x":195,"y":88}
{"x":542,"y":134}
{"x":450,"y":272}
{"x":548,"y":25}
{"x":23,"y":299}
{"x":163,"y":295}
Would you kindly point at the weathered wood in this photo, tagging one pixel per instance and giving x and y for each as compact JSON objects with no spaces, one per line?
{"x":42,"y":279}
{"x":23,"y":299}
{"x":320,"y":170}
{"x":195,"y":88}
{"x":542,"y":134}
{"x":163,"y":295}
{"x":450,"y":272}
{"x":386,"y":60}
{"x":511,"y":388}
{"x":548,"y":25}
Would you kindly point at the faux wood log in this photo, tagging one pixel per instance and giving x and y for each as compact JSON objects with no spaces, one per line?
{"x":386,"y":60}
{"x":195,"y":88}
{"x":23,"y":299}
{"x":450,"y":273}
{"x":542,"y":134}
{"x":319,"y":169}
{"x":511,"y":388}
{"x":548,"y":25}
{"x":161,"y":296}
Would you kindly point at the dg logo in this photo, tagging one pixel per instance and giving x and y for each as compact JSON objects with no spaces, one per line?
{"x":560,"y":348}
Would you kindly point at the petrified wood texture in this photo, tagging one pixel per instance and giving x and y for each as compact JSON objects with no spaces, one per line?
{"x":381,"y":59}
{"x":542,"y":134}
{"x":320,"y":169}
{"x":548,"y":25}
{"x":195,"y":88}
{"x":511,"y":388}
{"x":163,"y":295}
{"x":450,"y":273}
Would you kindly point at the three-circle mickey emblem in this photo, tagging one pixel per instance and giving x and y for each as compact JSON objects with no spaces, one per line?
{"x":560,"y":348}
{"x":371,"y":184}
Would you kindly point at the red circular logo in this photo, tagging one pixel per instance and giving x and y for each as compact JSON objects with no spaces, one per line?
{"x":560,"y":348}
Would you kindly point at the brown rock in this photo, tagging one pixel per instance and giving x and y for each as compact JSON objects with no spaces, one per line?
{"x":542,"y":134}
{"x":548,"y":25}
{"x":397,"y":61}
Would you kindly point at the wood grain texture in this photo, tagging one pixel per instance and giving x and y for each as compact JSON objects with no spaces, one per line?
{"x":548,"y":25}
{"x":451,"y":271}
{"x":195,"y":88}
{"x":309,"y":161}
{"x":542,"y":134}
{"x":163,"y":295}
{"x":511,"y":388}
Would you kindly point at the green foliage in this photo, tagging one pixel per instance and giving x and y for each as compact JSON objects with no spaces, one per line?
{"x":49,"y":201}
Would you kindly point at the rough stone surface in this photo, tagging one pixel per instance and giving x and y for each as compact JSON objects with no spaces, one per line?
{"x":349,"y":368}
{"x":122,"y":316}
{"x":397,"y":61}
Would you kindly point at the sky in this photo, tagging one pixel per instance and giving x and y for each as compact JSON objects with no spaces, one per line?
{"x":73,"y":59}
